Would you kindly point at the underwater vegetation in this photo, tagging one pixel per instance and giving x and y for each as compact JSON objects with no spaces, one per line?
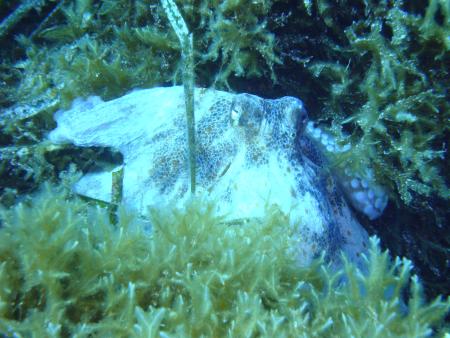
{"x":374,"y":74}
{"x":382,"y":68}
{"x":65,"y":270}
{"x":107,"y":48}
{"x":380,"y":74}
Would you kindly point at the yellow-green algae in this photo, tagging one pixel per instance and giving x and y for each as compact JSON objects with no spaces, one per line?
{"x":386,"y":78}
{"x":66,"y":271}
{"x":109,"y":47}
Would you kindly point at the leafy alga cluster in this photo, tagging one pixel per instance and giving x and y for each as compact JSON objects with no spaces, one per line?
{"x":107,"y":48}
{"x":383,"y":70}
{"x":66,"y":271}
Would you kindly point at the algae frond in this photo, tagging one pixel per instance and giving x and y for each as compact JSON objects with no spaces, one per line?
{"x":65,"y":270}
{"x":386,"y":79}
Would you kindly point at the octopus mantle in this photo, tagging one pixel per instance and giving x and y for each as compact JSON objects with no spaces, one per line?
{"x":249,"y":158}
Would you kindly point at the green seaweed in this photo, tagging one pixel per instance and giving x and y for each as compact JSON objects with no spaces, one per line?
{"x":109,"y":47}
{"x":238,"y":36}
{"x":375,"y":73}
{"x":187,"y":53}
{"x":65,"y":270}
{"x":386,"y":84}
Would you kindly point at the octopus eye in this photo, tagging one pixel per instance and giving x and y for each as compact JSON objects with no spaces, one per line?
{"x":234,"y":117}
{"x":304,"y":118}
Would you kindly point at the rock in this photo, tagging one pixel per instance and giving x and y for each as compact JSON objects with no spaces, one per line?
{"x":248,"y":159}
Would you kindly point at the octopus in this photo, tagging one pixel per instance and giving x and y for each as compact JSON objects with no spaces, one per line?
{"x":252,"y":154}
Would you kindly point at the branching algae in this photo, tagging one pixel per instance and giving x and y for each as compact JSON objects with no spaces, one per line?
{"x":386,"y":80}
{"x":66,"y":271}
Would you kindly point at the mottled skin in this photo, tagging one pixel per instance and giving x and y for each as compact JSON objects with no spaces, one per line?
{"x":250,"y":111}
{"x":252,"y":154}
